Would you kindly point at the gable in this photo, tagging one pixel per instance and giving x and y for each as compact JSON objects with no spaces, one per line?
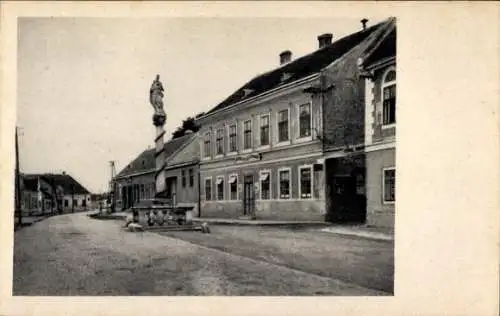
{"x":189,"y":153}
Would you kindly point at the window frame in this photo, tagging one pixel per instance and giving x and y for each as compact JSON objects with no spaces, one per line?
{"x":221,"y":139}
{"x":208,"y":179}
{"x":308,"y":137}
{"x":229,"y":187}
{"x":183,"y":178}
{"x":383,"y":86}
{"x":217,"y":188}
{"x":290,"y":183}
{"x":261,"y":172}
{"x":207,"y":140}
{"x":287,"y":141}
{"x":230,"y":151}
{"x":384,"y":201}
{"x":310,"y":167}
{"x":268,"y":115}
{"x":191,"y":177}
{"x":247,"y":149}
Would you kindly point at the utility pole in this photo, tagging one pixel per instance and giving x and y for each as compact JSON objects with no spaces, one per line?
{"x":18,"y":210}
{"x":112,"y":186}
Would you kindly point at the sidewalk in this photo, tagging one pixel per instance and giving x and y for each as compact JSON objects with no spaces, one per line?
{"x":364,"y":231}
{"x":249,"y":222}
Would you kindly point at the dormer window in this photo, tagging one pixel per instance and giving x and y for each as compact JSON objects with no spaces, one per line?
{"x":389,"y":97}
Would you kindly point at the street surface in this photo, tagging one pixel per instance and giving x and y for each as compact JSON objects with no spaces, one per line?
{"x":75,"y":255}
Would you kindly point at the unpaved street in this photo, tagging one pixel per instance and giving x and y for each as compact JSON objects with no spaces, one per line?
{"x":75,"y":255}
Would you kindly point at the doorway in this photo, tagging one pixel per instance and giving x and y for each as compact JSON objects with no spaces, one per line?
{"x":248,"y":196}
{"x":346,"y":199}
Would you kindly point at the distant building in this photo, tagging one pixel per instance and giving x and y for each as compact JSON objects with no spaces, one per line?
{"x":137,"y":180}
{"x":379,"y":67}
{"x":49,"y":192}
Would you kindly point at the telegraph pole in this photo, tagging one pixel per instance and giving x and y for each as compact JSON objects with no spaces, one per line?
{"x":112,"y":186}
{"x":18,"y":210}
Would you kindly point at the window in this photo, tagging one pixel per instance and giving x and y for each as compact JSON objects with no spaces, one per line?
{"x":206,"y":145}
{"x":389,"y":98}
{"x":305,"y":182}
{"x":220,"y":188}
{"x":283,"y":127}
{"x":305,"y":120}
{"x":232,"y":138}
{"x":183,"y":176}
{"x":284,"y":179}
{"x":389,"y":185}
{"x":66,"y":203}
{"x":264,"y":130}
{"x":247,"y":141}
{"x":191,"y":177}
{"x":84,"y":202}
{"x":208,"y":189}
{"x":233,"y":187}
{"x":265,"y":185}
{"x":219,"y":141}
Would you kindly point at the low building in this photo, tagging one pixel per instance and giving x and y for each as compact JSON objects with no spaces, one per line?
{"x":379,"y":67}
{"x":136,"y":181}
{"x":54,"y":192}
{"x":288,"y":143}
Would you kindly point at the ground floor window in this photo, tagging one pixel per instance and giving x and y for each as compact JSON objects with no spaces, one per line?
{"x":305,"y":181}
{"x":284,"y":183}
{"x":265,"y":185}
{"x":233,"y":187}
{"x":66,"y":203}
{"x":208,"y":189}
{"x":389,"y":185}
{"x":220,"y":188}
{"x":84,"y":202}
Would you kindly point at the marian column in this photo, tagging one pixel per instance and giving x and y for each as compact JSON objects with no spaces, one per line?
{"x":159,"y":119}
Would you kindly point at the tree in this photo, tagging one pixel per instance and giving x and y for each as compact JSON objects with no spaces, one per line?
{"x":187,"y":124}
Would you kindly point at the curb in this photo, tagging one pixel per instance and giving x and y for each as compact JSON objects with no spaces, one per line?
{"x":373,"y":236}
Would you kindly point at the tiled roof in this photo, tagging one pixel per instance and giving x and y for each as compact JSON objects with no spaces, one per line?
{"x":67,"y":182}
{"x":297,"y":69}
{"x":386,"y":49}
{"x":146,"y":160}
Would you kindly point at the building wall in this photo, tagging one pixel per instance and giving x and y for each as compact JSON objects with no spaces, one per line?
{"x":79,"y":198}
{"x":344,"y":104}
{"x":291,"y":154}
{"x":186,"y":193}
{"x":290,"y":100}
{"x":379,"y":132}
{"x":145,"y":181}
{"x":378,"y":213}
{"x":295,"y":208}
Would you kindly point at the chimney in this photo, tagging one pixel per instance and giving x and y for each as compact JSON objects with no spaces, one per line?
{"x":364,"y":23}
{"x":285,"y":57}
{"x":325,"y":40}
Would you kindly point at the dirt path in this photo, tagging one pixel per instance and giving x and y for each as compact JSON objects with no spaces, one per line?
{"x":75,"y":255}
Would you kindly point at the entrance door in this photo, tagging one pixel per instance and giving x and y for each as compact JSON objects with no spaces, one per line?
{"x":248,"y":196}
{"x":348,"y":197}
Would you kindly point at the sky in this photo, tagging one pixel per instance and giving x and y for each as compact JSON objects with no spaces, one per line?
{"x":83,"y":83}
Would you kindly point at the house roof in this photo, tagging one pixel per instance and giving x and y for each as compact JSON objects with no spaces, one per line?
{"x":145,"y":162}
{"x":386,"y":49}
{"x":297,"y":69}
{"x":65,"y":181}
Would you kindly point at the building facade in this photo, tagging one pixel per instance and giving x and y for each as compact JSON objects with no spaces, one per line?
{"x":136,"y":182}
{"x":263,"y":149}
{"x":45,"y":193}
{"x":379,"y":66}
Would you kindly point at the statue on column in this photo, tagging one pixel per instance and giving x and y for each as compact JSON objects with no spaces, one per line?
{"x":156,"y":100}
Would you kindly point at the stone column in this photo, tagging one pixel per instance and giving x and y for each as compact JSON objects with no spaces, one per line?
{"x":159,"y":123}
